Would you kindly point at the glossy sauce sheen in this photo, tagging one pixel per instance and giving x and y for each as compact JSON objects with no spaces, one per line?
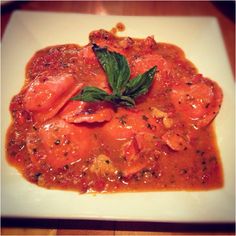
{"x":166,"y":142}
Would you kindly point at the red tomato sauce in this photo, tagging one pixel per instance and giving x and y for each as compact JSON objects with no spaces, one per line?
{"x":166,"y":142}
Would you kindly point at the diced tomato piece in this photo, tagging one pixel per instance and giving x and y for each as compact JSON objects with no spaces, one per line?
{"x":145,"y":140}
{"x":148,"y":44}
{"x":87,"y":55}
{"x":130,"y":150}
{"x":175,"y":140}
{"x":78,"y":112}
{"x":22,"y":117}
{"x":104,"y":39}
{"x":99,"y":185}
{"x":133,"y":168}
{"x":134,"y":149}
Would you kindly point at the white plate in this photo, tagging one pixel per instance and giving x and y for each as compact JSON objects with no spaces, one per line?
{"x":200,"y":38}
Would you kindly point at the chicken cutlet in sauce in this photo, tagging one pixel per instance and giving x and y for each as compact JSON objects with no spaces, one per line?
{"x":165,"y":142}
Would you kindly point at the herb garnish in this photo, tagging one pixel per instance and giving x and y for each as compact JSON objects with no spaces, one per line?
{"x":122,"y":119}
{"x":124,"y":91}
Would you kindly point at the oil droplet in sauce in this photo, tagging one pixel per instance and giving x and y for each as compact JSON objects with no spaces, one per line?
{"x":118,"y":28}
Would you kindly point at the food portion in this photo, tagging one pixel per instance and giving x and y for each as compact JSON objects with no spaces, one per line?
{"x":119,"y":114}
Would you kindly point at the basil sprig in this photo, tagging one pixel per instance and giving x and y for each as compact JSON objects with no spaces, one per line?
{"x":124,"y":91}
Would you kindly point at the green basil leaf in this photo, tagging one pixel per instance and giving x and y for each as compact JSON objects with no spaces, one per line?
{"x":140,"y":84}
{"x":124,"y":72}
{"x":91,"y":94}
{"x":121,"y":100}
{"x":116,"y":67}
{"x":124,"y":90}
{"x":127,"y":101}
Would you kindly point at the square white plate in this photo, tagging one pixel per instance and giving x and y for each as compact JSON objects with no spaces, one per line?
{"x":202,"y":42}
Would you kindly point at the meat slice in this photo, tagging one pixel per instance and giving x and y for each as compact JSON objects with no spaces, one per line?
{"x":199,"y":103}
{"x":46,"y":95}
